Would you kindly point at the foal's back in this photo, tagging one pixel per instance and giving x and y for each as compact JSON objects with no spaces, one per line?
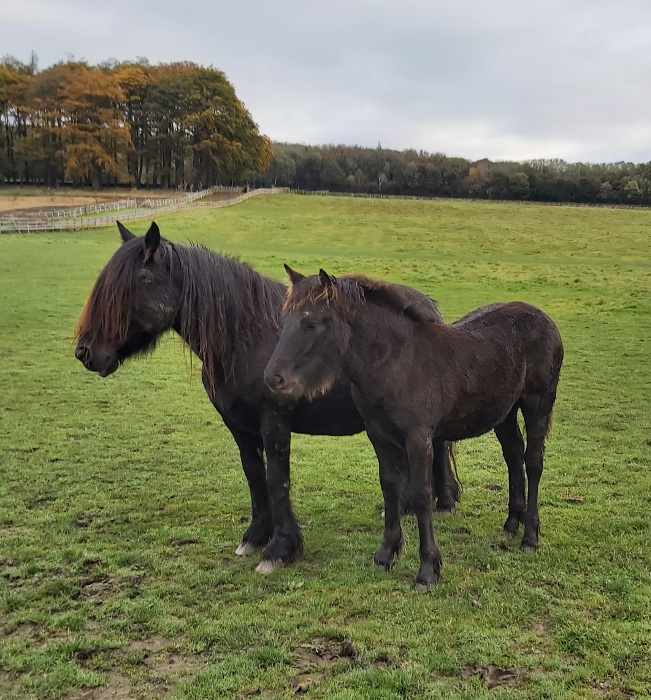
{"x":524,"y":333}
{"x":496,"y":355}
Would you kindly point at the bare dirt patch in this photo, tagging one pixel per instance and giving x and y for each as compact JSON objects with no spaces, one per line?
{"x":314,"y":660}
{"x":39,"y":203}
{"x":118,"y":688}
{"x":493,"y":676}
{"x":320,"y":651}
{"x":160,"y":670}
{"x":62,"y":199}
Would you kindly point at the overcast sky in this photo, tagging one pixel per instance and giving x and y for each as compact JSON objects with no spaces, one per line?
{"x":503,"y":79}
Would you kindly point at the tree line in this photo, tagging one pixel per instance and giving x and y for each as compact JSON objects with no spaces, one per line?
{"x":181,"y":125}
{"x":175,"y":125}
{"x":418,"y":173}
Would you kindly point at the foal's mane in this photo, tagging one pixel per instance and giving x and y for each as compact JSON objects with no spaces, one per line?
{"x":222,"y":308}
{"x":345,"y":293}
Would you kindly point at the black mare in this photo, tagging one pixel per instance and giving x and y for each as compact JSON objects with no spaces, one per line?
{"x":415,"y":381}
{"x":230,"y":318}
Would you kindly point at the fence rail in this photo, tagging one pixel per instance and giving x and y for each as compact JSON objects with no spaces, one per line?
{"x":144,"y":210}
{"x":477,"y":200}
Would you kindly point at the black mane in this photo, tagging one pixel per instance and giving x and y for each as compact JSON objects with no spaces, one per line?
{"x":224,"y":305}
{"x":348,"y":291}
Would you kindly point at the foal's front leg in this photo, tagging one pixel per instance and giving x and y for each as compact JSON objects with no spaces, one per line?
{"x":286,"y":542}
{"x":390,"y":461}
{"x":419,"y":454}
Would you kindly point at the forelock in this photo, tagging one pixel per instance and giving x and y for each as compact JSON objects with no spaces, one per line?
{"x":340,"y":293}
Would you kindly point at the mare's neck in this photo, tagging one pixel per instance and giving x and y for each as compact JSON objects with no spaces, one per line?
{"x":223,"y":306}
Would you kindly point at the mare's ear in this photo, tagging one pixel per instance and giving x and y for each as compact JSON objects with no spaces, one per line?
{"x":327,"y":279}
{"x":125,"y":234}
{"x":294,"y":277}
{"x":152,"y":241}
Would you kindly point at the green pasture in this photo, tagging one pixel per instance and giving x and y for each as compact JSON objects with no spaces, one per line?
{"x":122,"y":500}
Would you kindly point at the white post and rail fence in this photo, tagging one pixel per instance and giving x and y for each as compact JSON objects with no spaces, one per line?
{"x":105,"y":214}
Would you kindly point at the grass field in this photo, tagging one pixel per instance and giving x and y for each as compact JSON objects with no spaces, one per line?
{"x":122,"y":500}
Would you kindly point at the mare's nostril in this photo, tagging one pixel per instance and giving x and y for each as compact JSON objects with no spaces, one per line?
{"x":81,"y":352}
{"x":279,"y":381}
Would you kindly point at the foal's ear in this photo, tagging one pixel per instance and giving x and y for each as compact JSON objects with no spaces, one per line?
{"x":152,"y":241}
{"x":294,"y":277}
{"x":328,"y":280}
{"x":125,"y":234}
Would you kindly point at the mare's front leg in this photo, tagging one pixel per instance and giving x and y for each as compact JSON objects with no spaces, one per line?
{"x":286,"y":542}
{"x":390,"y":460}
{"x":420,"y":453}
{"x":261,"y":528}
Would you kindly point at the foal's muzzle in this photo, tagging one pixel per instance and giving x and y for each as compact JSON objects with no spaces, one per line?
{"x":281,"y":382}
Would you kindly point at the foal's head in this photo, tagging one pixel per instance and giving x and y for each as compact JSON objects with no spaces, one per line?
{"x":133,"y":302}
{"x":315,"y":335}
{"x":317,"y":318}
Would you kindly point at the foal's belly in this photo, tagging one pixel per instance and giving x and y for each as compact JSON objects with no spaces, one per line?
{"x":473,"y":423}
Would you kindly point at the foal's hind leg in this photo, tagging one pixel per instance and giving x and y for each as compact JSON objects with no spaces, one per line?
{"x":537,"y":410}
{"x":510,"y":437}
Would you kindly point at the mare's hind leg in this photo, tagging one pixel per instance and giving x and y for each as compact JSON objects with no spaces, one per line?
{"x":261,"y":528}
{"x":391,"y":460}
{"x":510,"y":437}
{"x":445,"y":485}
{"x":537,"y":411}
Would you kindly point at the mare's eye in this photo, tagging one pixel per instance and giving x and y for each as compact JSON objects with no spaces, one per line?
{"x":311,"y":325}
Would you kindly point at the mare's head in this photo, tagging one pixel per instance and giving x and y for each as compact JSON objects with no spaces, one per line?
{"x":315,"y":335}
{"x":133,"y":302}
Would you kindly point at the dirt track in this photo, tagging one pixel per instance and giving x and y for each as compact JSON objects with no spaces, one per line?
{"x":17,"y":202}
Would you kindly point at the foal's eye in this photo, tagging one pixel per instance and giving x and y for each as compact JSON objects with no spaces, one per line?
{"x":146,"y":275}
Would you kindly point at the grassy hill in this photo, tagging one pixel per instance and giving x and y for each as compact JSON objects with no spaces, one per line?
{"x":122,"y":500}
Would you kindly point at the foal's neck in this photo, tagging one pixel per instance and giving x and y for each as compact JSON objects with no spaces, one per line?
{"x":377,"y":335}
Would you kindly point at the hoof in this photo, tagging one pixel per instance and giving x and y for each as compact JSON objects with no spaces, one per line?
{"x":245,"y":549}
{"x":268,"y":566}
{"x":445,"y":512}
{"x":528,"y":548}
{"x":383,"y":562}
{"x":421,"y":587}
{"x":508,"y":533}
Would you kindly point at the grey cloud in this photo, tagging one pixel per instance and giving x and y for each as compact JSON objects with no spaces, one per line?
{"x":506,"y":79}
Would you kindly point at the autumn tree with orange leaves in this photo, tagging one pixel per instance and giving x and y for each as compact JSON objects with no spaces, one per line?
{"x":171,"y":125}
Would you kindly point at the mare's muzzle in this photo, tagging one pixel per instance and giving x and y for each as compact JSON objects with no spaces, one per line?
{"x":96,"y":359}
